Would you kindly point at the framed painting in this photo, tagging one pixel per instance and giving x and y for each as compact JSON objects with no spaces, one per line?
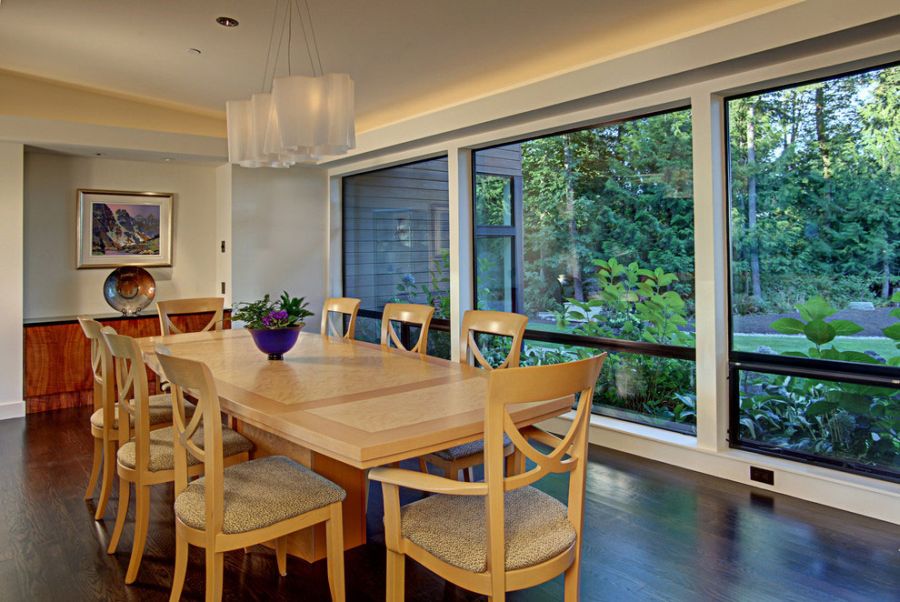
{"x":118,"y":228}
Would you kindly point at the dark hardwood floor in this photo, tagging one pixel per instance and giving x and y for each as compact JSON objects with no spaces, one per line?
{"x":653,"y":533}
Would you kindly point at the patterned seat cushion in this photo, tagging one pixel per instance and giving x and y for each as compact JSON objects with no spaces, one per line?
{"x":453,"y":528}
{"x":260,"y":493}
{"x":162,"y":454}
{"x":160,"y":411}
{"x":467,"y":449}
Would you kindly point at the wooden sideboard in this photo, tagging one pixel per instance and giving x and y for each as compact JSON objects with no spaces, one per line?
{"x":57,"y":356}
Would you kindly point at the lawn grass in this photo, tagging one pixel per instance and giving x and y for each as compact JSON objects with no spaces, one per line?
{"x":780,"y":343}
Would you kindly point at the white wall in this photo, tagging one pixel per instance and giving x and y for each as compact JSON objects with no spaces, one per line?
{"x":53,"y":287}
{"x":11,"y":194}
{"x":279,"y":228}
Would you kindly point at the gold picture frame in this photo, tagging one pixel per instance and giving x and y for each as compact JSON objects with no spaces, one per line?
{"x":118,"y":228}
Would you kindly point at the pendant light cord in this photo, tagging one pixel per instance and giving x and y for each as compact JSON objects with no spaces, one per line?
{"x":309,"y":39}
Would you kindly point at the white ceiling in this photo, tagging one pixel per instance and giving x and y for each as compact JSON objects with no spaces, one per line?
{"x":406,"y":56}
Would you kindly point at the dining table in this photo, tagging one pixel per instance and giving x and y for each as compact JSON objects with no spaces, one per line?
{"x":342,"y":406}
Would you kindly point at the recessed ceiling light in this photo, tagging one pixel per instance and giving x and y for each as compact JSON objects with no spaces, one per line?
{"x":167,"y":159}
{"x":227,"y":22}
{"x":194,"y":51}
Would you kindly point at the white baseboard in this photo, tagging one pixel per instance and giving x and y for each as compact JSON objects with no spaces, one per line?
{"x":854,"y":493}
{"x":12,"y":409}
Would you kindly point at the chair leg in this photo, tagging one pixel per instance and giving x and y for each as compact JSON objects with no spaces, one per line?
{"x":423,"y":465}
{"x":281,"y":555}
{"x":95,"y":468}
{"x":215,"y":562}
{"x":181,"y":561}
{"x":109,"y":474}
{"x":396,"y":565}
{"x":334,"y":538}
{"x":511,"y":464}
{"x":141,"y":521}
{"x":122,"y":512}
{"x":572,"y":579}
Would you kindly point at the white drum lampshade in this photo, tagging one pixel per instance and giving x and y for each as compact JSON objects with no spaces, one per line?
{"x":314,"y":115}
{"x":248,"y":122}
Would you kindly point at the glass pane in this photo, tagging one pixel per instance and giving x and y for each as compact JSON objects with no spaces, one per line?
{"x":650,"y":390}
{"x":608,"y":230}
{"x":495,"y":272}
{"x":815,"y":219}
{"x":837,"y":421}
{"x":396,"y":236}
{"x":493,"y":200}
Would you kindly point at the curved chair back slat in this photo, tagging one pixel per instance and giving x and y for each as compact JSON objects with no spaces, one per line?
{"x":133,"y":393}
{"x":514,"y":386}
{"x":498,"y":323}
{"x":408,"y":313}
{"x":174,"y":307}
{"x":194,"y":376}
{"x":344,"y":306}
{"x":101,"y":367}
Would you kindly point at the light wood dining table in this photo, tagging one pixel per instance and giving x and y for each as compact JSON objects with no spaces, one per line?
{"x":341,"y":407}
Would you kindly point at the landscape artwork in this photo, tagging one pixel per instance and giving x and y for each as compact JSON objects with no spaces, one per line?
{"x":124,"y":228}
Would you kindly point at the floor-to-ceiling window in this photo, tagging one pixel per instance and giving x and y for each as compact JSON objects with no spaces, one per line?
{"x":396,"y":245}
{"x":590,"y":234}
{"x":814,"y":180}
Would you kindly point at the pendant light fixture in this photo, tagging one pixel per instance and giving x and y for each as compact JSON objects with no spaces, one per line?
{"x":303,"y":118}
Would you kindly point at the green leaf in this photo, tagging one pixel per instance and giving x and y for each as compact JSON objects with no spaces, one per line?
{"x":896,"y":313}
{"x":843,"y":328}
{"x":851,"y":402}
{"x":816,"y":308}
{"x":819,"y":332}
{"x":893,"y":331}
{"x":857,"y":356}
{"x":894,"y":361}
{"x":823,"y":406}
{"x":788,"y":326}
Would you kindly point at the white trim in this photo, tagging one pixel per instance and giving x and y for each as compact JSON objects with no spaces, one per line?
{"x":12,"y":409}
{"x":710,"y":270}
{"x":334,"y":259}
{"x":460,"y":193}
{"x":854,"y":493}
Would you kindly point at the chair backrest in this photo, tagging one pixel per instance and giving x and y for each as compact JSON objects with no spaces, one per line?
{"x":133,"y":393}
{"x":498,"y":323}
{"x":174,"y":307}
{"x":345,"y":306}
{"x":185,"y":374}
{"x":409,"y":313}
{"x":568,"y":454}
{"x":101,"y":370}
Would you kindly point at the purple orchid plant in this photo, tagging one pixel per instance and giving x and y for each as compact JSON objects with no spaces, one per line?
{"x":285,"y":312}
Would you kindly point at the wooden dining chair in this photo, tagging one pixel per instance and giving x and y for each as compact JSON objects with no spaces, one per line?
{"x":246,"y":504}
{"x":497,"y":323}
{"x":146,"y":457}
{"x":174,"y":307}
{"x":408,"y":313}
{"x":104,"y":419}
{"x":343,"y":306}
{"x":502,"y":534}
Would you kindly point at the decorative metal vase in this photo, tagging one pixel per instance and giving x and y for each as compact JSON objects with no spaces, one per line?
{"x":275,"y":341}
{"x":129,"y":290}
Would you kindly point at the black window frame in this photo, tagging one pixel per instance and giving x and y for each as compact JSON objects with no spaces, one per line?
{"x":439,"y":324}
{"x":600,"y":343}
{"x":762,"y":363}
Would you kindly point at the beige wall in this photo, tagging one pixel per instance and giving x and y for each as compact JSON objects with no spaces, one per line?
{"x":11,"y":403}
{"x":27,"y":96}
{"x":53,"y":287}
{"x":279,"y":229}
